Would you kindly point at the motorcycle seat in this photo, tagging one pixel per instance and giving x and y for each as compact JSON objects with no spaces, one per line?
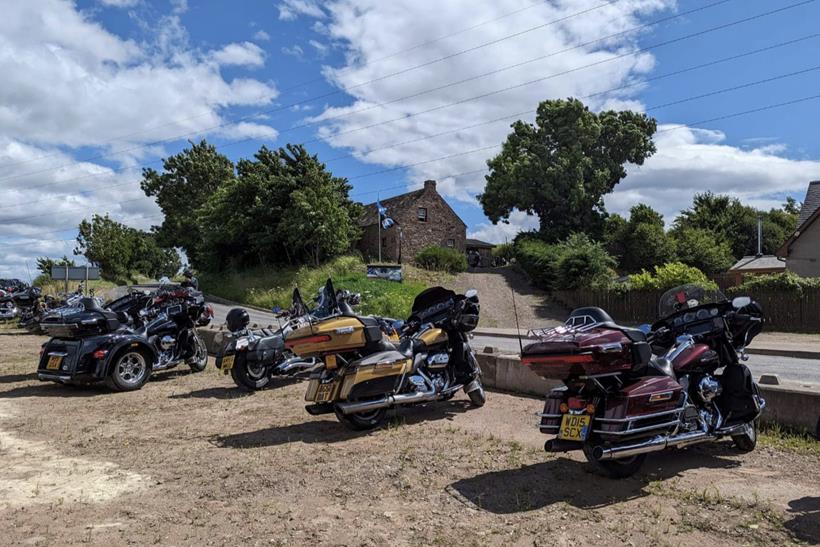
{"x":111,"y":318}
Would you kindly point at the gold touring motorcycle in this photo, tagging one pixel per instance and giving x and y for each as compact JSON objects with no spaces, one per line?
{"x":370,"y":364}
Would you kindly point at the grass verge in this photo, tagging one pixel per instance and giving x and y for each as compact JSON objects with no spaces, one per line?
{"x":267,"y":288}
{"x":783,"y":438}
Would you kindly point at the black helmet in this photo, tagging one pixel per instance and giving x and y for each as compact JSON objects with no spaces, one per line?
{"x":237,"y":319}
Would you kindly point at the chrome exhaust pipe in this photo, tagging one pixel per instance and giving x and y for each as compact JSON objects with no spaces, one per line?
{"x":388,"y":401}
{"x":655,"y":444}
{"x":297,"y":365}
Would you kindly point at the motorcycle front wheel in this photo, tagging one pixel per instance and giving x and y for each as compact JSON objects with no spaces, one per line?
{"x":362,"y":421}
{"x":746,"y":441}
{"x":250,"y":376}
{"x":200,"y":358}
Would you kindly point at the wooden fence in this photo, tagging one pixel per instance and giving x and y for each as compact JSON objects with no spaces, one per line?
{"x":783,"y":310}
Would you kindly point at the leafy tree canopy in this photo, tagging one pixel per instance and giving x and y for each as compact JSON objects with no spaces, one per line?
{"x":284,"y":206}
{"x":560,"y":167}
{"x":188,"y":179}
{"x":121,"y":252}
{"x":44,"y":264}
{"x":700,"y":248}
{"x":641,"y":242}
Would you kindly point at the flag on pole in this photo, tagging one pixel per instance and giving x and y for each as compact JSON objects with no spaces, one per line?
{"x":385,"y":221}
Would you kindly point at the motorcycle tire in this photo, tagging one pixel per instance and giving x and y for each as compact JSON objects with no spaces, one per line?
{"x":129,"y":371}
{"x":615,"y":469}
{"x":250,"y":380}
{"x":362,"y":421}
{"x":200,"y":359}
{"x":477,"y":397}
{"x":746,"y":441}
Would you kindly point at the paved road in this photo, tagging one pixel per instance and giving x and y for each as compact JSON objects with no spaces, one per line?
{"x":261,"y":318}
{"x":787,"y":369}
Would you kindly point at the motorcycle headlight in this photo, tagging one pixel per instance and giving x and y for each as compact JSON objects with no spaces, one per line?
{"x":242,"y":343}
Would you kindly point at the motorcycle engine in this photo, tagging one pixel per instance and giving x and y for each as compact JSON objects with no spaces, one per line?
{"x":708,"y":388}
{"x":167,"y":342}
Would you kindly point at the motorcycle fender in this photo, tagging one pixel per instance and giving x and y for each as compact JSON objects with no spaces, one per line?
{"x":375,"y":375}
{"x":129,"y":342}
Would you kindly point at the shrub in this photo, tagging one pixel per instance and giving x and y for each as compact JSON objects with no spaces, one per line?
{"x":583,"y":263}
{"x":539,"y":260}
{"x":505,"y":251}
{"x":786,"y":281}
{"x":441,"y":259}
{"x":575,"y":263}
{"x":668,"y":276}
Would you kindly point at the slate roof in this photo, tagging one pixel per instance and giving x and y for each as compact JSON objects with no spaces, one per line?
{"x":810,"y":204}
{"x":764,"y":262}
{"x":478,"y":244}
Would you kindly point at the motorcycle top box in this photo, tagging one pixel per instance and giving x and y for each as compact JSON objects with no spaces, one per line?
{"x":87,"y":319}
{"x":589,"y":344}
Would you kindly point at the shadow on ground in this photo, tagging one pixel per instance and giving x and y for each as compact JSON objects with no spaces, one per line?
{"x":331,"y":431}
{"x":231,"y":392}
{"x":541,"y":485}
{"x":805,"y":524}
{"x":13,"y":378}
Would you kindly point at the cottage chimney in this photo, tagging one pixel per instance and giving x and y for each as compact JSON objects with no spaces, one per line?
{"x":429,"y":186}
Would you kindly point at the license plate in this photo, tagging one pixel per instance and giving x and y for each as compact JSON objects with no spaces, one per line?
{"x":575,"y":427}
{"x":227,"y":362}
{"x":54,"y":362}
{"x":324,"y":392}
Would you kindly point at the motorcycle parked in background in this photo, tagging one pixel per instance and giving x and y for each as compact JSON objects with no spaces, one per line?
{"x":92,"y":344}
{"x":363,"y":373}
{"x":620,"y":402}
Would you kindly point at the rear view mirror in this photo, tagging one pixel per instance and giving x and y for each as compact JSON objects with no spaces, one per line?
{"x":741,"y":302}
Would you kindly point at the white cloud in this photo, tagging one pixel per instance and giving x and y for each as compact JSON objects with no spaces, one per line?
{"x":291,"y":9}
{"x":369,"y":30}
{"x":261,"y":36}
{"x":119,"y":3}
{"x":68,"y":83}
{"x":321,"y":49}
{"x":179,"y":6}
{"x":691,"y":160}
{"x":244,"y":54}
{"x":504,"y":232}
{"x":294,"y":51}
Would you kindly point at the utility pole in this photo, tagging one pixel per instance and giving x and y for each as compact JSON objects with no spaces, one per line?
{"x":379,"y":222}
{"x":759,"y":235}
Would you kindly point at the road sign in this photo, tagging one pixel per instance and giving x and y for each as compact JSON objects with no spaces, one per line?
{"x":75,"y":273}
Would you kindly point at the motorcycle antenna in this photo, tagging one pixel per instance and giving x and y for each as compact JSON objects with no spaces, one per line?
{"x":517,"y":327}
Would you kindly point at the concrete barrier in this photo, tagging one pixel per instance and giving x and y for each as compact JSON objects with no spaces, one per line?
{"x":792,"y":406}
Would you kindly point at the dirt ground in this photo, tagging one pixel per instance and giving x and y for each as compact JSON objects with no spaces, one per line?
{"x":495,"y":289}
{"x":189,"y":460}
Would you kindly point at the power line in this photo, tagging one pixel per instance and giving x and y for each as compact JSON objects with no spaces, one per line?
{"x":678,"y":127}
{"x":321,"y":78}
{"x":344,"y":90}
{"x":531,"y":111}
{"x":495,"y":92}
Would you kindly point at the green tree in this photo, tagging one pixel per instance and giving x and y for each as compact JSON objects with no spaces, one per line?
{"x":44,"y":264}
{"x":121,"y":252}
{"x":583,"y":263}
{"x":736,"y":224}
{"x":283,"y":207}
{"x":560,"y":167}
{"x":642,"y":240}
{"x":187,"y":181}
{"x":701,"y":249}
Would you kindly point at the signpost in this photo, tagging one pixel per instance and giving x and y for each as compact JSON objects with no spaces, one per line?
{"x":75,"y":273}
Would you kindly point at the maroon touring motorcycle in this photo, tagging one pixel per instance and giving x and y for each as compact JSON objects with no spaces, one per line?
{"x":628,"y":392}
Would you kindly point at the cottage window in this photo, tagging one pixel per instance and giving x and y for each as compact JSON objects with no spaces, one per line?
{"x":422,"y":214}
{"x":451,"y":242}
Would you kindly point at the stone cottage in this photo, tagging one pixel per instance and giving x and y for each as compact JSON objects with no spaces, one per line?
{"x":422,"y":218}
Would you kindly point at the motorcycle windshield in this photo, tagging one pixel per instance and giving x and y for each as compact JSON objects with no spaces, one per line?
{"x":686,"y":297}
{"x":326,"y":301}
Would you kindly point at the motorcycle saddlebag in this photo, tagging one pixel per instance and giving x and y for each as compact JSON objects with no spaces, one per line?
{"x":737,"y":401}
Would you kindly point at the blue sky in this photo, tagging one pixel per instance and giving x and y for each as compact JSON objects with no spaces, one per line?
{"x":111,"y":77}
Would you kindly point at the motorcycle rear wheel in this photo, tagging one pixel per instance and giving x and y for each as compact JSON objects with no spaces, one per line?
{"x":362,"y":421}
{"x":130,"y":371}
{"x":248,"y":378}
{"x":615,"y":469}
{"x":747,"y":440}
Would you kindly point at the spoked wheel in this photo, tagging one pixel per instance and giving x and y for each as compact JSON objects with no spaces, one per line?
{"x":616,"y":469}
{"x":362,"y":421}
{"x":250,"y":376}
{"x":200,"y":358}
{"x":129,"y":372}
{"x":746,"y":441}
